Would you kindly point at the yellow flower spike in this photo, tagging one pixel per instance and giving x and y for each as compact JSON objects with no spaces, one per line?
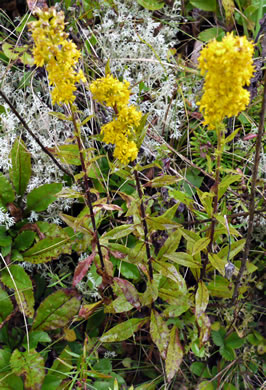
{"x":58,"y":54}
{"x":227,"y":67}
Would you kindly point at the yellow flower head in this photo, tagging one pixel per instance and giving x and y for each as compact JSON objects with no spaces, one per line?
{"x":110,"y":91}
{"x":227,"y":67}
{"x":56,"y":52}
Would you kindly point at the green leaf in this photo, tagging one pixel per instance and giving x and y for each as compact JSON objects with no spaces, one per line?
{"x":171,"y":244}
{"x":151,"y":5}
{"x":150,"y":294}
{"x":24,"y":296}
{"x":119,"y":232}
{"x":217,"y":263}
{"x":129,"y":291}
{"x":5,"y":240}
{"x":227,"y":353}
{"x":170,"y":272}
{"x":40,"y":198}
{"x":184,"y":259}
{"x":24,"y":240}
{"x":234,"y":341}
{"x":205,"y":5}
{"x":219,"y":287}
{"x":200,"y":369}
{"x":236,"y":247}
{"x":68,"y":154}
{"x":20,"y":172}
{"x":6,"y":306}
{"x":193,"y":177}
{"x":118,"y":305}
{"x":10,"y":381}
{"x":201,"y":299}
{"x":49,"y":248}
{"x":10,"y":51}
{"x":7,"y":194}
{"x":30,"y":364}
{"x":162,"y":181}
{"x":225,"y":183}
{"x":57,"y":310}
{"x":218,"y":337}
{"x":200,"y":245}
{"x":211,"y":33}
{"x":37,"y":337}
{"x":206,"y":385}
{"x":124,"y":330}
{"x":229,"y":386}
{"x":159,"y":332}
{"x":199,"y":352}
{"x":174,"y":354}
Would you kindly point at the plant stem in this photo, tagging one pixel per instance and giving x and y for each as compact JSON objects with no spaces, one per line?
{"x":215,"y":199}
{"x":144,"y":223}
{"x":34,"y":136}
{"x":252,"y":195}
{"x":88,"y":201}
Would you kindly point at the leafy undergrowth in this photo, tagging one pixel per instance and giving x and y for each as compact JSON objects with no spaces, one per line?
{"x":139,"y":274}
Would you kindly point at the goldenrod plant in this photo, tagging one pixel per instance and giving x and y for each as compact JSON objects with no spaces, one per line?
{"x":125,"y":264}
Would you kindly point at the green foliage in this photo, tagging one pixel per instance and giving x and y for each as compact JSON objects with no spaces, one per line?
{"x":157,"y":300}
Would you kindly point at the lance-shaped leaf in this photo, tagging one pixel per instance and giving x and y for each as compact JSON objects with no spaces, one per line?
{"x":200,"y":245}
{"x":119,"y":232}
{"x":159,"y":332}
{"x":82,"y":269}
{"x":129,"y":291}
{"x":174,"y":355}
{"x":20,"y":172}
{"x":40,"y":198}
{"x":49,"y":248}
{"x":205,"y":328}
{"x":171,"y":244}
{"x":184,"y":259}
{"x":201,"y":299}
{"x":30,"y":364}
{"x":21,"y":283}
{"x":57,"y":310}
{"x":7,"y":194}
{"x":6,"y":306}
{"x":124,"y":330}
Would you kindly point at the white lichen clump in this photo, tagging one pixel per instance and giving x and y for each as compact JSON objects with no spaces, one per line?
{"x":137,"y":47}
{"x":50,"y":130}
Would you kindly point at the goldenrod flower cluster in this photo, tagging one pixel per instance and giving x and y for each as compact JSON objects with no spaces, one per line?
{"x":227,"y":67}
{"x":53,"y":49}
{"x":121,"y":131}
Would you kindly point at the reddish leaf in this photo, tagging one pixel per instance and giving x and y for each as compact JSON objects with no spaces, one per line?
{"x":87,"y":310}
{"x":82,"y":269}
{"x":129,"y":291}
{"x":118,"y":255}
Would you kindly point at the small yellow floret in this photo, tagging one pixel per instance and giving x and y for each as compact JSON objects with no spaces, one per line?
{"x":227,"y":67}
